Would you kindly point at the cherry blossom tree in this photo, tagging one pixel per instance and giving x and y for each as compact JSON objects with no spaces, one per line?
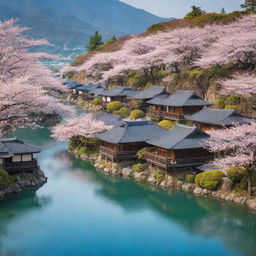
{"x":242,"y":84}
{"x":85,"y":125}
{"x":26,"y":85}
{"x":177,"y":50}
{"x":235,"y":147}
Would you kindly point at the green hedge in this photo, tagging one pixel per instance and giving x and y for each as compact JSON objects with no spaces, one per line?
{"x":236,"y":174}
{"x":123,"y":112}
{"x":113,"y":106}
{"x":137,"y":114}
{"x":209,"y":179}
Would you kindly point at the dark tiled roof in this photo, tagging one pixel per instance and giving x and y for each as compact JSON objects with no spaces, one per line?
{"x":148,"y":93}
{"x":109,"y":119}
{"x":180,"y":99}
{"x":71,"y":84}
{"x":130,"y":132}
{"x":180,"y":137}
{"x":90,"y":87}
{"x":119,"y":91}
{"x":97,"y":92}
{"x":13,"y":146}
{"x":223,"y":117}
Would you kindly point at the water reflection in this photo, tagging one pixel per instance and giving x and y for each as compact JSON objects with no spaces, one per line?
{"x":77,"y":183}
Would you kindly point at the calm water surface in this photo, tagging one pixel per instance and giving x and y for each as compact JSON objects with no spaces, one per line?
{"x":82,"y":213}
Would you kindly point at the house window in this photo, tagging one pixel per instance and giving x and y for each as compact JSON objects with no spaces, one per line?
{"x":16,"y":158}
{"x":1,"y":161}
{"x":108,"y":99}
{"x":80,"y":92}
{"x":26,"y":157}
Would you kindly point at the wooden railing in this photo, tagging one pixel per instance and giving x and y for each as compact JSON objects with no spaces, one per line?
{"x":166,"y":162}
{"x":165,"y":114}
{"x":114,"y":155}
{"x":20,"y":166}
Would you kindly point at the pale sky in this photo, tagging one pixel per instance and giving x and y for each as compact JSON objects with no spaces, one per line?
{"x":178,"y":8}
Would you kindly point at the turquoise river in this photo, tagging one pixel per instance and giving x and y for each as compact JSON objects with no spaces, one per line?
{"x":80,"y":212}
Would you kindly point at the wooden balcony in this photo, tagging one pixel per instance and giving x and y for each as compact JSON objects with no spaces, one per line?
{"x":167,"y":163}
{"x":117,"y":156}
{"x":20,"y":166}
{"x":165,"y":115}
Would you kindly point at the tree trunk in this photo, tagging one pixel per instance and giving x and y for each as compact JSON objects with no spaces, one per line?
{"x":250,"y":182}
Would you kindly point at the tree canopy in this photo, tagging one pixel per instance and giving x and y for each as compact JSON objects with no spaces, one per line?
{"x":95,"y":42}
{"x":195,"y":12}
{"x":249,"y":5}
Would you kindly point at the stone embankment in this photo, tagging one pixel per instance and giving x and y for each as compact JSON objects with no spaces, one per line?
{"x":23,"y":183}
{"x":169,"y":182}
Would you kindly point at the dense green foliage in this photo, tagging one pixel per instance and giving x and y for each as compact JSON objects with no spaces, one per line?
{"x":190,"y":178}
{"x":123,"y":112}
{"x":249,"y":5}
{"x":137,"y":114}
{"x":195,"y":12}
{"x":84,"y":145}
{"x":209,"y":179}
{"x":6,"y":179}
{"x":97,"y":101}
{"x":236,"y":174}
{"x":142,"y":153}
{"x":159,"y":175}
{"x":139,"y":167}
{"x":113,"y":106}
{"x":95,"y":42}
{"x":166,"y":124}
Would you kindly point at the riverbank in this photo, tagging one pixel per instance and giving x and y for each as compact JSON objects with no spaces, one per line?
{"x":22,"y":183}
{"x":167,"y":181}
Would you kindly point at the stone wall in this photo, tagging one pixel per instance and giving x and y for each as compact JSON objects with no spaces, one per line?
{"x":170,"y":181}
{"x":23,"y":183}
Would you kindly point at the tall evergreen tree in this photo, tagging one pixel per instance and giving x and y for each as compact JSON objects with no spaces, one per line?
{"x":195,"y":12}
{"x":249,"y":5}
{"x":223,"y":11}
{"x":95,"y":42}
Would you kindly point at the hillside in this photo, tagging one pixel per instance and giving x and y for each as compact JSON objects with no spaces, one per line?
{"x":65,"y":22}
{"x":206,"y":54}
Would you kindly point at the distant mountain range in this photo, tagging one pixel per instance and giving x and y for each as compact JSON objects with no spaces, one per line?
{"x":69,"y":23}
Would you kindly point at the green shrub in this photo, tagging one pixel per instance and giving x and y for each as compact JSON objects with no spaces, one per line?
{"x":166,"y":124}
{"x":195,"y":73}
{"x":137,"y":114}
{"x":139,"y":167}
{"x":123,"y":112}
{"x":209,"y":179}
{"x":135,"y":104}
{"x":233,"y":100}
{"x":4,"y":178}
{"x":190,"y":178}
{"x":13,"y":179}
{"x":113,"y":106}
{"x":220,"y":102}
{"x":236,"y":174}
{"x":142,"y":153}
{"x":159,"y":175}
{"x":71,"y":144}
{"x":83,"y":150}
{"x":97,"y":101}
{"x":156,"y":28}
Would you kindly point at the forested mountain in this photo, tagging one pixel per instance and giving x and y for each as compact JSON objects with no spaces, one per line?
{"x":65,"y":22}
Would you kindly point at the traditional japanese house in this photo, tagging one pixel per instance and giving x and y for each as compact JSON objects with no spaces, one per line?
{"x":17,"y":156}
{"x":118,"y":93}
{"x":72,"y":85}
{"x":86,"y":91}
{"x":211,"y":119}
{"x":148,"y":94}
{"x":109,"y":119}
{"x":177,"y":105}
{"x":123,"y":142}
{"x":179,"y":148}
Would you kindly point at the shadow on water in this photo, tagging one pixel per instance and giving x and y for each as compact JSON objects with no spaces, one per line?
{"x":233,"y":225}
